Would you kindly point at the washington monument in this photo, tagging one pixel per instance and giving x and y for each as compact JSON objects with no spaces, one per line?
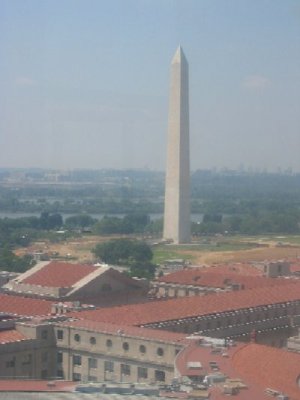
{"x":177,"y":189}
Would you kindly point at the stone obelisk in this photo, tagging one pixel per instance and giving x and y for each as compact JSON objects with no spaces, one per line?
{"x":177,"y":188}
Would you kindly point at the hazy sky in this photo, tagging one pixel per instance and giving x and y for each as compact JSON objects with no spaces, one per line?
{"x":84,"y":83}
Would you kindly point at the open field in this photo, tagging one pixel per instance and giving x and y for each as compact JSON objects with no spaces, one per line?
{"x":232,"y":249}
{"x":202,"y":251}
{"x":78,"y":249}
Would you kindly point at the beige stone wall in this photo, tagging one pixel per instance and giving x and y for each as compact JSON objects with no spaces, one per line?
{"x":34,"y":357}
{"x":176,"y":290}
{"x":273,"y":269}
{"x":132,"y":359}
{"x":25,"y":288}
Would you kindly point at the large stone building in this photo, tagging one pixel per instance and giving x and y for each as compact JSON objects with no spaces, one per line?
{"x":177,"y":190}
{"x":266,"y":310}
{"x":88,"y":351}
{"x":158,"y":341}
{"x":201,"y":281}
{"x":77,"y":282}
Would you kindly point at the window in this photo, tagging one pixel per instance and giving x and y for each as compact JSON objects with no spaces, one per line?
{"x":44,"y":357}
{"x":125,"y":369}
{"x":76,"y":359}
{"x":160,"y":376}
{"x":92,"y":378}
{"x":109,"y":343}
{"x":125,"y":346}
{"x":92,"y":340}
{"x":142,"y":349}
{"x":11,"y":363}
{"x":27,"y":359}
{"x":77,"y":337}
{"x":92,"y":362}
{"x":60,"y":373}
{"x":76,"y":377}
{"x":59,"y":357}
{"x":108,"y":366}
{"x":60,"y":334}
{"x":160,"y":352}
{"x":142,"y":372}
{"x":44,"y":374}
{"x":44,"y":334}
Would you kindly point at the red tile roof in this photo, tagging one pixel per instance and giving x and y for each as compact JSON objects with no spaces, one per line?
{"x":269,"y":367}
{"x":195,"y":353}
{"x":17,"y":385}
{"x":59,"y":274}
{"x":208,"y":278}
{"x":237,"y":268}
{"x":11,"y":335}
{"x":179,"y":308}
{"x":24,"y":306}
{"x":146,"y":333}
{"x":295,"y":266}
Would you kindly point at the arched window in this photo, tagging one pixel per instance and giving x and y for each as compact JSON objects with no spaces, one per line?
{"x":125,"y":346}
{"x":77,"y":337}
{"x":160,"y":352}
{"x":92,"y":340}
{"x":142,"y":349}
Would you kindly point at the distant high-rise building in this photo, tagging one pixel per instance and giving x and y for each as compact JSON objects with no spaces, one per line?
{"x":177,"y":189}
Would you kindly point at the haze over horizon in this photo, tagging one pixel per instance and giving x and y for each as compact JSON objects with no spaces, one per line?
{"x":86,"y":84}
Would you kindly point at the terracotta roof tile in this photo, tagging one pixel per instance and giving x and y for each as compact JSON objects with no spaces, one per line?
{"x":59,"y":274}
{"x":195,"y":353}
{"x":237,"y":268}
{"x":17,"y":385}
{"x":295,"y":266}
{"x":178,"y":308}
{"x":11,"y":335}
{"x":209,"y":278}
{"x":269,"y":367}
{"x":24,"y":306}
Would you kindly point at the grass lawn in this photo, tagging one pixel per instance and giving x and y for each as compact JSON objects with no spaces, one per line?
{"x":185,"y":252}
{"x":167,"y":252}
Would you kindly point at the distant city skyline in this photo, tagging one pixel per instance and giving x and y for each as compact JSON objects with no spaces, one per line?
{"x":85,"y":85}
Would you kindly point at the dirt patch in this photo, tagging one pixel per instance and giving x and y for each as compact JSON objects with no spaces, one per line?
{"x":256,"y":254}
{"x":78,"y":249}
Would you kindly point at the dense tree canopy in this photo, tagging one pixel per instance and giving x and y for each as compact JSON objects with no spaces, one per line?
{"x":79,"y":221}
{"x":12,"y":263}
{"x":131,"y":223}
{"x":136,"y":255}
{"x":123,"y":251}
